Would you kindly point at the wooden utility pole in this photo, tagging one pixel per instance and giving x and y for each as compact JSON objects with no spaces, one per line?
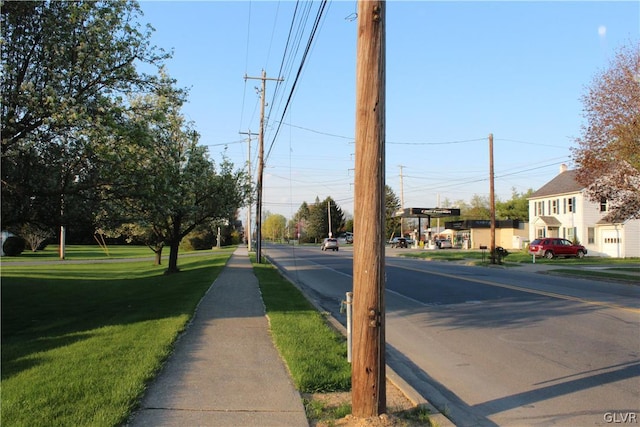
{"x":401,"y":201}
{"x":248,"y":233}
{"x":260,"y":164}
{"x":492,"y":202}
{"x":368,"y":393}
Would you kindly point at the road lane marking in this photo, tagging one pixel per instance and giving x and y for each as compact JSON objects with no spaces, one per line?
{"x":489,"y":283}
{"x":529,"y":290}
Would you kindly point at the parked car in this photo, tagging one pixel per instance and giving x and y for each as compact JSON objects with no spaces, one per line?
{"x":398,"y":242}
{"x":444,"y":244}
{"x":551,"y":247}
{"x":329,"y":244}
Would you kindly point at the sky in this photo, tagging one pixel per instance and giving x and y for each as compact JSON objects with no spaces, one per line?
{"x":455,"y":73}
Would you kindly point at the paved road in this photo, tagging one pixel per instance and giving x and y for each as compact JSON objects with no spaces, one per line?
{"x":497,"y":346}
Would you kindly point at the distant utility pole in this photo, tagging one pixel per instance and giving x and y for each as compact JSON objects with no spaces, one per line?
{"x":401,"y":202}
{"x":260,"y":163}
{"x":329,"y":217}
{"x":248,"y":233}
{"x":368,"y":388}
{"x":492,"y":202}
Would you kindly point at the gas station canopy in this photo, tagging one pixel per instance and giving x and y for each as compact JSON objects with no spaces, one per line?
{"x":426,"y":213}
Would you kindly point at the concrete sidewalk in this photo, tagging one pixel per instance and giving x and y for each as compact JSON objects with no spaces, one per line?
{"x":225,"y":370}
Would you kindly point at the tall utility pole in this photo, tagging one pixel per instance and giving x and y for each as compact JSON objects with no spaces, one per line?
{"x":248,"y":234}
{"x":368,"y":393}
{"x":329,"y":216}
{"x":260,"y":164}
{"x":492,"y":202}
{"x":401,"y":202}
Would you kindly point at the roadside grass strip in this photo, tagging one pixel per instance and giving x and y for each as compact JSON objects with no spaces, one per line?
{"x":515,"y":256}
{"x":619,"y":274}
{"x":81,"y":341}
{"x":315,"y":353}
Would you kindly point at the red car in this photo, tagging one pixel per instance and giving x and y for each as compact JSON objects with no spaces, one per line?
{"x":551,"y":247}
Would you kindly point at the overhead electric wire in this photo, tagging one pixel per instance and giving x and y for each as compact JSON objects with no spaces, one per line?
{"x":246,"y":64}
{"x":295,"y":82}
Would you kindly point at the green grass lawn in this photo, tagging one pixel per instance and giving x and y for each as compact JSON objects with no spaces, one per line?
{"x":84,"y":252}
{"x":515,"y":256}
{"x":315,"y":353}
{"x":621,"y":269}
{"x":80,"y":341}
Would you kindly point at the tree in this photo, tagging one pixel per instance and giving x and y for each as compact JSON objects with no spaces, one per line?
{"x":34,"y":235}
{"x":392,"y":205}
{"x":478,"y":208}
{"x":273,"y":226}
{"x":301,"y":220}
{"x":515,"y":208}
{"x":314,"y":219}
{"x":608,"y":152}
{"x":66,"y":67}
{"x":167,"y":184}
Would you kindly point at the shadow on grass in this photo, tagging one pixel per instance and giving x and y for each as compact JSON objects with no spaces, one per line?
{"x":44,"y":308}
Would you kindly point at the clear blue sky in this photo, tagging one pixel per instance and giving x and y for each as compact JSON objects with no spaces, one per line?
{"x":456,"y":72}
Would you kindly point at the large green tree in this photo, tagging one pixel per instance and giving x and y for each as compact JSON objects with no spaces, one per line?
{"x":478,"y":208}
{"x":66,"y":68}
{"x":167,"y":185}
{"x":314,"y":219}
{"x":608,"y":152}
{"x":515,"y":208}
{"x":391,"y":206}
{"x":274,"y":226}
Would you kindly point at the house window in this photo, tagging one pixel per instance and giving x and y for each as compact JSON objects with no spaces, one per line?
{"x":554,"y":206}
{"x":591,"y":235}
{"x":603,"y":205}
{"x":540,"y":208}
{"x":571,"y":234}
{"x":571,"y":204}
{"x":540,"y":233}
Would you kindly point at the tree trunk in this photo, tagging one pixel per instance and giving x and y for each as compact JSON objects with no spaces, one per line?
{"x":174,"y":245}
{"x":173,"y":257}
{"x":158,"y":252}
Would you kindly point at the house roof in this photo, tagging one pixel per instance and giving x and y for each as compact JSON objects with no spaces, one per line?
{"x":550,"y":221}
{"x":563,"y":183}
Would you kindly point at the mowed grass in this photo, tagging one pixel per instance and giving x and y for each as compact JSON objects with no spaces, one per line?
{"x":315,"y":353}
{"x":80,"y":341}
{"x":515,"y":256}
{"x":84,"y":252}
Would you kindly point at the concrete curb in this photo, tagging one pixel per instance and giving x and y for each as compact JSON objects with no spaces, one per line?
{"x":411,"y":393}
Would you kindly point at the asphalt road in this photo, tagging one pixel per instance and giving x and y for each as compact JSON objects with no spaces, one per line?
{"x":495,"y":346}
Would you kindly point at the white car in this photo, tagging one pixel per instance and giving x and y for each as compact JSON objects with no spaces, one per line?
{"x":329,"y":243}
{"x":444,"y":244}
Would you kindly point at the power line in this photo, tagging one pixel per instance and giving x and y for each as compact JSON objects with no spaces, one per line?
{"x":302,"y":62}
{"x":437,"y":143}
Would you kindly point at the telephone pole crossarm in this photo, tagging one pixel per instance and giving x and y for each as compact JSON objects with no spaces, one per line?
{"x":264,"y":79}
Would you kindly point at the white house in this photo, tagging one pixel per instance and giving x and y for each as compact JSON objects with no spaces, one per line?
{"x":560,"y":209}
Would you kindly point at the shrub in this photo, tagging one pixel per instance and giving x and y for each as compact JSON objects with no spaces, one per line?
{"x":198,"y":240}
{"x":13,"y":246}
